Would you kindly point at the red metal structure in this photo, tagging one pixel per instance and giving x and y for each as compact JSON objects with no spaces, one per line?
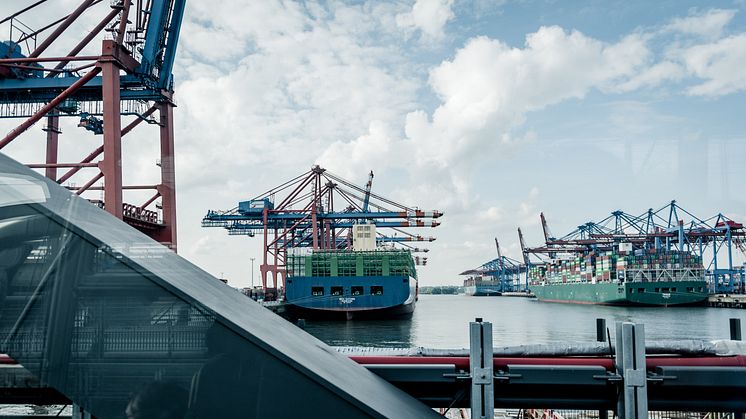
{"x":301,"y":213}
{"x":130,"y":77}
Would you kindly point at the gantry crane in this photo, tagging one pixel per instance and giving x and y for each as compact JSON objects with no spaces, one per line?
{"x":710,"y":238}
{"x":301,"y":213}
{"x":506,"y":271}
{"x":131,"y":77}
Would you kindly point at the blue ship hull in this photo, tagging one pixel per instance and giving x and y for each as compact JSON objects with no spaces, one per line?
{"x":351,"y":297}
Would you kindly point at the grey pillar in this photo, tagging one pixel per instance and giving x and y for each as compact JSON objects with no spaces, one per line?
{"x":482,"y":381}
{"x":630,"y":364}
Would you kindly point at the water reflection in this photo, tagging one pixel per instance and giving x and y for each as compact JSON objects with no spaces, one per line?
{"x":122,"y":326}
{"x":441,"y":321}
{"x":396,"y":333}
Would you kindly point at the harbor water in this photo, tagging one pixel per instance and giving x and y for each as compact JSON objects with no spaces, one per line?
{"x":441,"y":321}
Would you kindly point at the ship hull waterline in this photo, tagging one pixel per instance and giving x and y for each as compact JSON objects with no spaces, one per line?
{"x":349,"y":298}
{"x":661,"y":293}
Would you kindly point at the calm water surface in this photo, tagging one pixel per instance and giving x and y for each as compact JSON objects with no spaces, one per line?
{"x":441,"y":321}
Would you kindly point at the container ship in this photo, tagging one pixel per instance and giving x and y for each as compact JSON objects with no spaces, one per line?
{"x":364,"y":282}
{"x":622,"y":276}
{"x":478,"y":286}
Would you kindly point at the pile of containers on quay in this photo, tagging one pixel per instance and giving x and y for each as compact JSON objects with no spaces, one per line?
{"x":479,"y":286}
{"x":351,"y":283}
{"x":622,"y":276}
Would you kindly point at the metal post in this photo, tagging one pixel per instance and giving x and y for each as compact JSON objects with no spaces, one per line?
{"x":735,"y":334}
{"x":735,"y":329}
{"x":480,"y":360}
{"x":252,"y":273}
{"x":53,"y":131}
{"x":601,"y":337}
{"x":167,"y":188}
{"x":111,"y":166}
{"x":600,"y":330}
{"x":630,"y":364}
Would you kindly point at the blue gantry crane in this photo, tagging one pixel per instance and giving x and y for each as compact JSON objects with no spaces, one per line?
{"x":503,"y":270}
{"x":670,"y":227}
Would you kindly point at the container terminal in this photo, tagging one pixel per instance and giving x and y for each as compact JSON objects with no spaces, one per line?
{"x":500,"y":276}
{"x":661,"y":257}
{"x":97,"y":310}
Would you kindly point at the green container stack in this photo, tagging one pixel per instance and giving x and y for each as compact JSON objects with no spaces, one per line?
{"x":352,"y":263}
{"x":604,"y":266}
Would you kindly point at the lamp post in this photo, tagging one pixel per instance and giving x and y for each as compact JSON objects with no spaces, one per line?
{"x":252,"y":273}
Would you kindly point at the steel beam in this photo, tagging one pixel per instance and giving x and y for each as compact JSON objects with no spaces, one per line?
{"x":88,"y":38}
{"x":97,"y":152}
{"x":111,"y":165}
{"x":53,"y":132}
{"x":630,"y":365}
{"x":63,"y":26}
{"x":167,"y":187}
{"x":123,"y":21}
{"x":48,"y":107}
{"x":89,"y":183}
{"x":20,"y":12}
{"x":481,"y":369}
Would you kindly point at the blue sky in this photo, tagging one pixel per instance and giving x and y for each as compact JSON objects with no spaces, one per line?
{"x":495,"y":111}
{"x":490,"y":111}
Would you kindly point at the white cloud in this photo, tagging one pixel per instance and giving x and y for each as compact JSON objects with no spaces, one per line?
{"x":654,"y":76}
{"x":708,"y":24}
{"x":310,"y":80}
{"x":492,"y":214}
{"x":371,"y":150}
{"x":427,"y":16}
{"x":489,"y":87}
{"x":720,"y":64}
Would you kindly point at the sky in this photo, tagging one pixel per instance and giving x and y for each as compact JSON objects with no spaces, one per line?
{"x":489,"y":111}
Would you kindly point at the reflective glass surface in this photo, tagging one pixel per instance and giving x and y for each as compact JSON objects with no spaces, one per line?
{"x":125,"y":328}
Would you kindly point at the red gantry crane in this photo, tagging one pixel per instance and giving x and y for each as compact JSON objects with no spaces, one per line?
{"x":306,"y":212}
{"x":110,"y":92}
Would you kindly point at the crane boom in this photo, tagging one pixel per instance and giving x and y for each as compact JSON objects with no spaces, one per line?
{"x":499,"y":255}
{"x":545,"y":227}
{"x":368,"y":187}
{"x":523,"y":246}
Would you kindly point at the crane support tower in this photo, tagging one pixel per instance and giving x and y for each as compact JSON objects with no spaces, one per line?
{"x":304,"y":212}
{"x":128,"y":81}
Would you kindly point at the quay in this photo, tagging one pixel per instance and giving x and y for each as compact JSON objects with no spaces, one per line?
{"x":727,"y":300}
{"x":518,"y":294}
{"x":596,"y":377}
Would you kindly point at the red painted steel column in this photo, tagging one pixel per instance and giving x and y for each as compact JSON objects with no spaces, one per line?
{"x":53,"y":131}
{"x":314,"y":220}
{"x":167,"y":188}
{"x":263,"y":266}
{"x":315,"y":228}
{"x":111,"y":166}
